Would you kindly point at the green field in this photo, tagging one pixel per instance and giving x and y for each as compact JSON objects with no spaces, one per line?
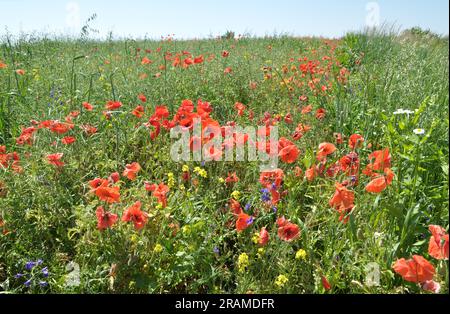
{"x":197,"y":232}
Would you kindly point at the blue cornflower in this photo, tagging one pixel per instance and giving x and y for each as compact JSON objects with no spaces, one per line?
{"x":216,"y":250}
{"x":247,"y":206}
{"x":27,"y":283}
{"x":45,"y":271}
{"x":30,"y":265}
{"x":265,"y":197}
{"x":249,"y":221}
{"x":19,"y":275}
{"x":274,"y":209}
{"x":43,"y":283}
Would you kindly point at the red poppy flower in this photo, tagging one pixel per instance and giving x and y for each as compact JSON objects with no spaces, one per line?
{"x":159,"y":191}
{"x":187,"y":62}
{"x":320,"y":113}
{"x":111,"y":105}
{"x":45,"y":124}
{"x":417,"y":269}
{"x":311,"y":173}
{"x":225,"y":53}
{"x":288,"y":118}
{"x":135,"y":215}
{"x":3,"y":65}
{"x":60,"y":127}
{"x":235,"y":207}
{"x":146,"y":60}
{"x":325,"y":149}
{"x":138,"y":112}
{"x":338,"y":137}
{"x":439,"y":243}
{"x":269,"y":177}
{"x":89,"y":129}
{"x":289,"y":154}
{"x":142,"y":98}
{"x":108,"y":194}
{"x":306,"y":109}
{"x":263,"y":236}
{"x":25,"y":138}
{"x":431,"y":286}
{"x":232,"y":178}
{"x":349,"y":164}
{"x":342,"y":197}
{"x":243,"y":221}
{"x":131,"y":170}
{"x":303,"y":128}
{"x":342,"y":201}
{"x":275,"y":196}
{"x":105,"y":220}
{"x":355,"y":141}
{"x":240,"y":108}
{"x":157,"y":128}
{"x":114,"y":177}
{"x":198,"y":59}
{"x":227,"y":70}
{"x":325,"y":283}
{"x":303,"y":98}
{"x":382,"y":159}
{"x":161,"y":112}
{"x":55,"y":159}
{"x":298,"y":172}
{"x":287,"y":230}
{"x":87,"y":106}
{"x":20,"y":71}
{"x":68,"y":140}
{"x":74,"y":114}
{"x":96,"y":183}
{"x":380,"y":183}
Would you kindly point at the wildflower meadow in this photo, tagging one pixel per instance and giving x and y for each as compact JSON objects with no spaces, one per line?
{"x":225,"y":165}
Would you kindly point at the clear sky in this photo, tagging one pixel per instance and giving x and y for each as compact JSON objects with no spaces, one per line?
{"x":201,"y":18}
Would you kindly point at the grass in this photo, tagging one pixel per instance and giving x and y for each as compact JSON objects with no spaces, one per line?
{"x":192,"y":245}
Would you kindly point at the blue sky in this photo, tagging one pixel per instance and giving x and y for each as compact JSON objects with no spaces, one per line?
{"x":201,"y":18}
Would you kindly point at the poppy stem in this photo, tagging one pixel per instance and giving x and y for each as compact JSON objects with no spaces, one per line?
{"x":113,"y":91}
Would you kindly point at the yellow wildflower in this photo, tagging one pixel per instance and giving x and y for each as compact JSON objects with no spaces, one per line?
{"x":281,"y":281}
{"x":186,"y":230}
{"x":158,"y":248}
{"x":236,"y":195}
{"x":201,"y":172}
{"x":243,"y":262}
{"x":255,"y":238}
{"x":261,"y":252}
{"x":301,"y":254}
{"x":170,"y":180}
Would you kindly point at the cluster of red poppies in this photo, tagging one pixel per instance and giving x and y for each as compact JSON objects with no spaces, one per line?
{"x":418,"y":269}
{"x":108,"y":192}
